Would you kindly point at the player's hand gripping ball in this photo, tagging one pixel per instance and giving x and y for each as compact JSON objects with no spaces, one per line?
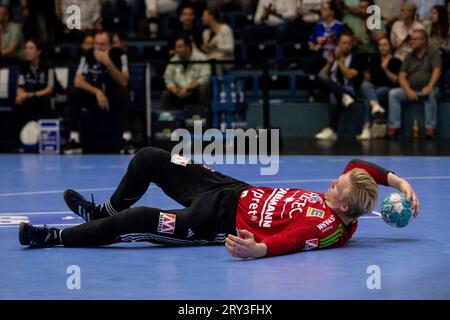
{"x":396,"y":210}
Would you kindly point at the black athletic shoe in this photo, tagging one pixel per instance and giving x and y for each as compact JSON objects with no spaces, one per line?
{"x":128,"y":147}
{"x":80,"y":206}
{"x":72,"y":147}
{"x":35,"y":237}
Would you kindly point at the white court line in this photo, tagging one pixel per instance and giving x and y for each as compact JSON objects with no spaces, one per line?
{"x":41,"y":225}
{"x":12,"y":194}
{"x":33,"y":213}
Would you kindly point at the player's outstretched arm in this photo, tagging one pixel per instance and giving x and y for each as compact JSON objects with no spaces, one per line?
{"x":244,"y":246}
{"x":404,"y":186}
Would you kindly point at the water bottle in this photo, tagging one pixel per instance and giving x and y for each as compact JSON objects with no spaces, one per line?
{"x":233,"y":93}
{"x":223,"y":122}
{"x":415,"y":129}
{"x":240,"y":92}
{"x":223,"y":94}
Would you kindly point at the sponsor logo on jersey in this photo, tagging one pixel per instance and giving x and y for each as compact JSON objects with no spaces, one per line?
{"x":181,"y":161}
{"x":315,"y":199}
{"x":166,"y":223}
{"x":244,"y":194}
{"x":312,"y":212}
{"x":311,"y":244}
{"x":332,"y":238}
{"x":327,"y":224}
{"x":270,"y":205}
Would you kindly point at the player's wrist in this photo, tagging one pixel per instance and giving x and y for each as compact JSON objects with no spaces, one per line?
{"x":260,"y":250}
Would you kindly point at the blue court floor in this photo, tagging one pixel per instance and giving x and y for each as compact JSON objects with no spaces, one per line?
{"x":414,"y":261}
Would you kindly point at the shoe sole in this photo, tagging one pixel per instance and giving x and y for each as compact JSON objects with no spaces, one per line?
{"x":67,"y":201}
{"x":22,"y":233}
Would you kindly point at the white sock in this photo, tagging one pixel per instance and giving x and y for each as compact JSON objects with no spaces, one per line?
{"x":127,"y":136}
{"x":74,"y":135}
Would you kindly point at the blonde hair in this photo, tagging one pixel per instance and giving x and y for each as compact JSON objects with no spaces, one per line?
{"x":362,"y":196}
{"x":411,"y":6}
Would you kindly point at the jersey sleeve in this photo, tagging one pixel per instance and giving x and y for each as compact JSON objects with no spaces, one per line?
{"x":294,"y":240}
{"x":379,"y":174}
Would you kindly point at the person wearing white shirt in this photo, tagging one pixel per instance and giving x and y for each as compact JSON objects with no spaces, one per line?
{"x":402,"y":30}
{"x":271,"y":19}
{"x":218,"y":38}
{"x":186,"y":83}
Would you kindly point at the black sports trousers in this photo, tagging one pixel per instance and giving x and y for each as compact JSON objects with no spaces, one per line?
{"x":209,"y":197}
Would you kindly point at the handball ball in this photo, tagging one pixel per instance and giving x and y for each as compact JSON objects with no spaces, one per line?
{"x":396,"y":210}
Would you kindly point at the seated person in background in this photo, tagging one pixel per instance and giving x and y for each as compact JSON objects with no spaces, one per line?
{"x":341,"y":77}
{"x":86,"y":45}
{"x":218,"y":38}
{"x":271,"y":21}
{"x":155,"y":9}
{"x":34,"y":88}
{"x":366,"y":39}
{"x":439,"y":36}
{"x":402,"y":30}
{"x":187,"y":29}
{"x":424,"y":8}
{"x":101,"y":83}
{"x":186,"y":83}
{"x":325,"y":34}
{"x":11,"y":38}
{"x":380,"y":78}
{"x":419,"y":77}
{"x":307,"y":15}
{"x":390,"y":11}
{"x":119,"y":41}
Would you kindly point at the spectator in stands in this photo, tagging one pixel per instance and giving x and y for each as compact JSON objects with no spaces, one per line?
{"x":86,"y":45}
{"x":390,"y":11}
{"x":349,"y":10}
{"x":325,"y":34}
{"x":307,"y":15}
{"x":39,"y":19}
{"x":402,"y":30}
{"x":187,"y":29}
{"x":186,"y":83}
{"x":198,"y":5}
{"x":419,"y":77}
{"x":88,"y":42}
{"x":119,"y":41}
{"x":423,"y":13}
{"x":380,"y":78}
{"x":156,"y":10}
{"x":366,"y":39}
{"x":11,"y":37}
{"x":271,"y":21}
{"x":341,"y":76}
{"x":218,"y":38}
{"x":439,"y":36}
{"x":34,"y":87}
{"x":101,"y":83}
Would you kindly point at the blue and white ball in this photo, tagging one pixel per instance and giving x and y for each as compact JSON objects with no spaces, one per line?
{"x":396,"y":210}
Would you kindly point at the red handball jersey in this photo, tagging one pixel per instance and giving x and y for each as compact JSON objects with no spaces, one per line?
{"x":291,"y":220}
